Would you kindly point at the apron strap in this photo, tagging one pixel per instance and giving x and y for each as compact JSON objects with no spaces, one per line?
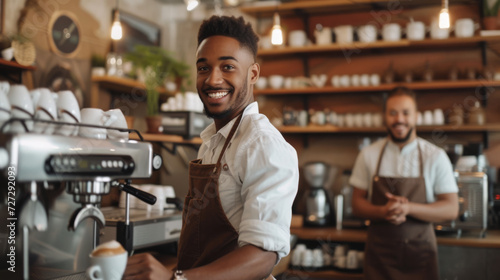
{"x":380,"y":157}
{"x":228,"y":140}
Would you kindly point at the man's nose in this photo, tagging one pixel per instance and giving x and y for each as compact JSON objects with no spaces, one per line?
{"x":215,"y":77}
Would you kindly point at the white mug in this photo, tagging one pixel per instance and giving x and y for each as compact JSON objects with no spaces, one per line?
{"x":367,"y":33}
{"x":355,"y":80}
{"x":21,"y":107}
{"x":464,"y":27}
{"x":297,"y":38}
{"x":415,"y":30}
{"x":94,"y":116}
{"x":352,"y":259}
{"x":261,"y":83}
{"x":335,"y":81}
{"x":391,"y":32}
{"x":276,"y":81}
{"x":107,"y":267}
{"x":437,"y":32}
{"x":68,"y":111}
{"x":117,"y":120}
{"x":345,"y":81}
{"x":45,"y":109}
{"x":364,"y":80}
{"x":344,"y":34}
{"x":323,"y":36}
{"x":374,"y":80}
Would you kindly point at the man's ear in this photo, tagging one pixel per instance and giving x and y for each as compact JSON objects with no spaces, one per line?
{"x":254,"y":73}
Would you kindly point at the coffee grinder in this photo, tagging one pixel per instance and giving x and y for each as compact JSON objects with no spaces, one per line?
{"x":319,"y":211}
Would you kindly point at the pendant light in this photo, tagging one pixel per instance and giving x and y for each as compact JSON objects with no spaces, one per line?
{"x":116,"y":28}
{"x":276,"y":33}
{"x":444,"y":16}
{"x":191,"y":4}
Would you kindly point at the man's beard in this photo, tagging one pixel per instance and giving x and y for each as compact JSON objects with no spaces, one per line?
{"x":400,"y":140}
{"x":217,"y":116}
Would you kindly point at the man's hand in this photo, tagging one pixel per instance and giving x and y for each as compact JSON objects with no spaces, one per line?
{"x":397,"y":208}
{"x":145,"y":266}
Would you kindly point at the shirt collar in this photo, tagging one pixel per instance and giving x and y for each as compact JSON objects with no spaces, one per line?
{"x":210,"y":131}
{"x":406,"y":148}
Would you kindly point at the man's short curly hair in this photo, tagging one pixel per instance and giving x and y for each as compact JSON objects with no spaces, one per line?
{"x":232,"y":27}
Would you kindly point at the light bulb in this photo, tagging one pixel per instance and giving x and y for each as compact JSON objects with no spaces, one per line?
{"x":116,"y":28}
{"x":444,"y":19}
{"x":276,"y":33}
{"x":191,"y":4}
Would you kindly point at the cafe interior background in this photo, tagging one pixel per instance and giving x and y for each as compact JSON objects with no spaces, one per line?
{"x":325,"y":98}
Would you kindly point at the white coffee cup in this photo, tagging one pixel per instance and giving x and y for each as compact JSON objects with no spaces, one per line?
{"x":68,"y":111}
{"x":117,"y":120}
{"x":45,"y":109}
{"x":352,"y":260}
{"x":464,"y":27}
{"x":276,"y":81}
{"x":374,"y":80}
{"x":344,"y":34}
{"x":437,"y":32}
{"x":341,"y":120}
{"x":377,"y":119}
{"x":438,"y":116}
{"x":323,"y":36}
{"x":367,"y":120}
{"x":364,"y":80}
{"x":415,"y":30}
{"x":4,"y":111}
{"x":367,"y":33}
{"x":94,"y":116}
{"x":261,"y":83}
{"x":4,"y":87}
{"x":21,"y":107}
{"x":355,"y":80}
{"x":107,"y":267}
{"x":391,"y":32}
{"x":345,"y":81}
{"x":335,"y":81}
{"x":428,"y":118}
{"x":297,"y":38}
{"x":8,"y":53}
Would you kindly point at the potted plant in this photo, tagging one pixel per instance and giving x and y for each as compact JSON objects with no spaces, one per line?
{"x":98,"y":65}
{"x":156,"y":65}
{"x":490,"y":13}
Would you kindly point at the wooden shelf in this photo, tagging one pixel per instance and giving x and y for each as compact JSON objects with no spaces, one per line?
{"x":491,"y":240}
{"x":121,"y":84}
{"x":326,"y":274}
{"x":15,"y":66}
{"x":404,"y":43}
{"x":493,"y":127}
{"x":329,"y":6}
{"x":381,"y":88}
{"x":166,"y":138}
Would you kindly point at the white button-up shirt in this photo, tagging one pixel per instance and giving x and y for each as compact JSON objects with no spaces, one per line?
{"x":258,"y":181}
{"x":396,"y":162}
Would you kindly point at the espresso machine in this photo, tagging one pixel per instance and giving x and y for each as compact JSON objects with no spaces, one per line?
{"x":53,"y":186}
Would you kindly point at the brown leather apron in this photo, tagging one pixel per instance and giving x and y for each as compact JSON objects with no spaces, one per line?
{"x":406,"y":251}
{"x":206,"y":232}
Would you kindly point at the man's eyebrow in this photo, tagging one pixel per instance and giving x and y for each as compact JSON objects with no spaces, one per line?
{"x":220,"y":58}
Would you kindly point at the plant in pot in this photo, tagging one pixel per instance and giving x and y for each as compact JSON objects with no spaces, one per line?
{"x":98,"y":65}
{"x":155,"y":65}
{"x":490,"y":14}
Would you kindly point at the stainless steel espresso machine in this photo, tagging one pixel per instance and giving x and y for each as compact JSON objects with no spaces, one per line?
{"x":50,"y":199}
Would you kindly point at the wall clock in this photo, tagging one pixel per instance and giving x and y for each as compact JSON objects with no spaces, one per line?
{"x":64,"y":33}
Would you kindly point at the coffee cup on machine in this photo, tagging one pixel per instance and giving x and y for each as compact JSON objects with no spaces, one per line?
{"x":117,"y":121}
{"x":97,"y":117}
{"x":108,"y":261}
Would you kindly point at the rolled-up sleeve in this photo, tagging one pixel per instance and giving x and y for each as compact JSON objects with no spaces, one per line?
{"x":269,"y":177}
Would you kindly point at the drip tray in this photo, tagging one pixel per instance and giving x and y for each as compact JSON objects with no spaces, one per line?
{"x":150,"y":228}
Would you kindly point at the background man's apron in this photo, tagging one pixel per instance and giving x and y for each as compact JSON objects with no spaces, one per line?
{"x":406,"y":251}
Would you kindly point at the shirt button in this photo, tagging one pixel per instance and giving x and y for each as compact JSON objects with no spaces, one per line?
{"x":225,"y":167}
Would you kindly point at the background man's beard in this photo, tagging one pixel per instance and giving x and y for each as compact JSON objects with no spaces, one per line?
{"x":400,"y":140}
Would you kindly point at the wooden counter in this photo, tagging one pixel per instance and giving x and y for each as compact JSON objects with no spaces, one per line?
{"x":492,"y":239}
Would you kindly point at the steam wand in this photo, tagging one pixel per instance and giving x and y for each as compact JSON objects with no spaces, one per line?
{"x":124,"y":232}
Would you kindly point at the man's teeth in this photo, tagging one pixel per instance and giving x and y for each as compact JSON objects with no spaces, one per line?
{"x":218,"y":94}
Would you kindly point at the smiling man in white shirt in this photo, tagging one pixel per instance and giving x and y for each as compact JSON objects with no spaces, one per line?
{"x":237,"y":213}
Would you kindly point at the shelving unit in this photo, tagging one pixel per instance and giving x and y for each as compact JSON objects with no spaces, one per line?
{"x":459,"y":84}
{"x":404,"y":43}
{"x":17,"y":73}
